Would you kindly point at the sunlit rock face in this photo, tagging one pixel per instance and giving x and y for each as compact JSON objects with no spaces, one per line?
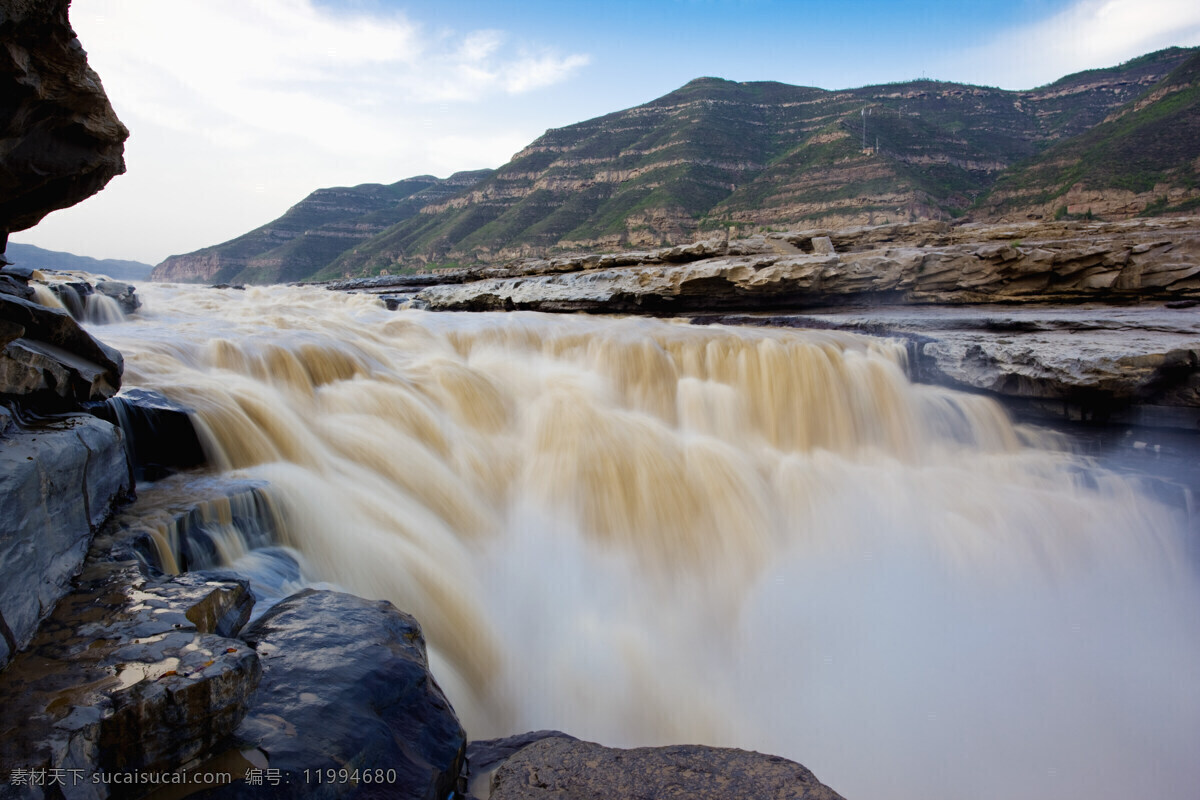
{"x":60,"y":140}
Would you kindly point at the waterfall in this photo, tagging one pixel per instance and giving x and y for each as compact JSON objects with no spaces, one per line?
{"x":100,"y":309}
{"x":643,"y":532}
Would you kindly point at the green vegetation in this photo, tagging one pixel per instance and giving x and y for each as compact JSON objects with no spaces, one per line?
{"x":715,"y":154}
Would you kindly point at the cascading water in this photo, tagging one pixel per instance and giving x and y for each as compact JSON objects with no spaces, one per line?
{"x":642,"y":532}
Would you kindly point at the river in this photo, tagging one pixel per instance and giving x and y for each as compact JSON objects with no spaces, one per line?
{"x":642,"y":532}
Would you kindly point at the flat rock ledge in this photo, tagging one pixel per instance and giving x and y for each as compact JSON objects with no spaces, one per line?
{"x":570,"y":769}
{"x":921,"y":263}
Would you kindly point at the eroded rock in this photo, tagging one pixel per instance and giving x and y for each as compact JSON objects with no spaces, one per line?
{"x":569,"y":768}
{"x":927,"y":263}
{"x":60,"y":140}
{"x":159,"y":434}
{"x":54,"y":364}
{"x":127,"y":675}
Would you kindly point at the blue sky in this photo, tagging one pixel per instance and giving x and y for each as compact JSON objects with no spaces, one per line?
{"x":239,"y":108}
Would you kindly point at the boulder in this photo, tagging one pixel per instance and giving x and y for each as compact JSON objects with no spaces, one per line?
{"x":58,"y":482}
{"x":124,"y":293}
{"x":346,"y":686}
{"x":60,"y":140}
{"x":569,"y":768}
{"x":159,"y":435}
{"x":128,"y":675}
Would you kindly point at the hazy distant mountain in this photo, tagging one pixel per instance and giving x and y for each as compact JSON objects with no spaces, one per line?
{"x":27,"y":255}
{"x":715,"y":153}
{"x":313,"y":232}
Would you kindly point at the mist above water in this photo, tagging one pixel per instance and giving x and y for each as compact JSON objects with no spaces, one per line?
{"x":644,"y":533}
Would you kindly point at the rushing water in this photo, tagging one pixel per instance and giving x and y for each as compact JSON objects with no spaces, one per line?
{"x":642,"y":532}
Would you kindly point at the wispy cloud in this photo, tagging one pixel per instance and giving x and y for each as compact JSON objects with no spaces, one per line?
{"x":239,"y":108}
{"x":1086,"y":34}
{"x":242,"y":69}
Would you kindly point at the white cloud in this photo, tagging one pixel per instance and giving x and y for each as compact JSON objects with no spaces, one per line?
{"x":1085,"y":35}
{"x":239,"y":108}
{"x":287,"y":66}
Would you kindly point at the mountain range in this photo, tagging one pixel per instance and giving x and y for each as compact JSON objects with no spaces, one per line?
{"x":716,"y":155}
{"x":28,"y":255}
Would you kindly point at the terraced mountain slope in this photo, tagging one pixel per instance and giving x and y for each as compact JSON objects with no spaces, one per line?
{"x":1144,"y":158}
{"x":718,"y":154}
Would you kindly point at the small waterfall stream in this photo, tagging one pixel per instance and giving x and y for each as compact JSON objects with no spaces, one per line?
{"x":642,"y":532}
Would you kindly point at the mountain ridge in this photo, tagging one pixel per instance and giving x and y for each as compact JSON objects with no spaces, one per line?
{"x":28,"y":255}
{"x":717,"y":154}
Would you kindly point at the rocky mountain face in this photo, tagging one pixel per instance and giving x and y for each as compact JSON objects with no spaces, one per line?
{"x":717,"y":155}
{"x":302,"y":242}
{"x":1143,"y":158}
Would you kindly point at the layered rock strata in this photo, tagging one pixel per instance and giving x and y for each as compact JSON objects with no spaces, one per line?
{"x":929,"y":263}
{"x":128,"y":676}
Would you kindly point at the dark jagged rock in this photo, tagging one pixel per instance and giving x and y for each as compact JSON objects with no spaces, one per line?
{"x":568,"y":768}
{"x":60,"y":140}
{"x":58,"y":482}
{"x":346,"y":685}
{"x":123,"y":293}
{"x":127,"y":675}
{"x":54,"y":363}
{"x":159,"y":435}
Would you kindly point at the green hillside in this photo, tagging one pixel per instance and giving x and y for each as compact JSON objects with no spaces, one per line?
{"x":1147,"y":153}
{"x":717,"y":153}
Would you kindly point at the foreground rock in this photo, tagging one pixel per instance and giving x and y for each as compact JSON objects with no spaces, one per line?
{"x":60,"y":140}
{"x":128,"y":675}
{"x":49,"y":361}
{"x":159,"y":436}
{"x":568,"y":768}
{"x":924,"y":263}
{"x":58,"y":483}
{"x":346,"y":686}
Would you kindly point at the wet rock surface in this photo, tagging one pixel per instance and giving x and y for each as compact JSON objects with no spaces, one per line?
{"x":159,"y":435}
{"x":128,"y":674}
{"x":567,"y":768}
{"x":346,"y":685}
{"x":60,"y":140}
{"x":58,"y":481}
{"x":50,"y":361}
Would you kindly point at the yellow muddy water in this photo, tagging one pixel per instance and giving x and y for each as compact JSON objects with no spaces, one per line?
{"x":645,"y":532}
